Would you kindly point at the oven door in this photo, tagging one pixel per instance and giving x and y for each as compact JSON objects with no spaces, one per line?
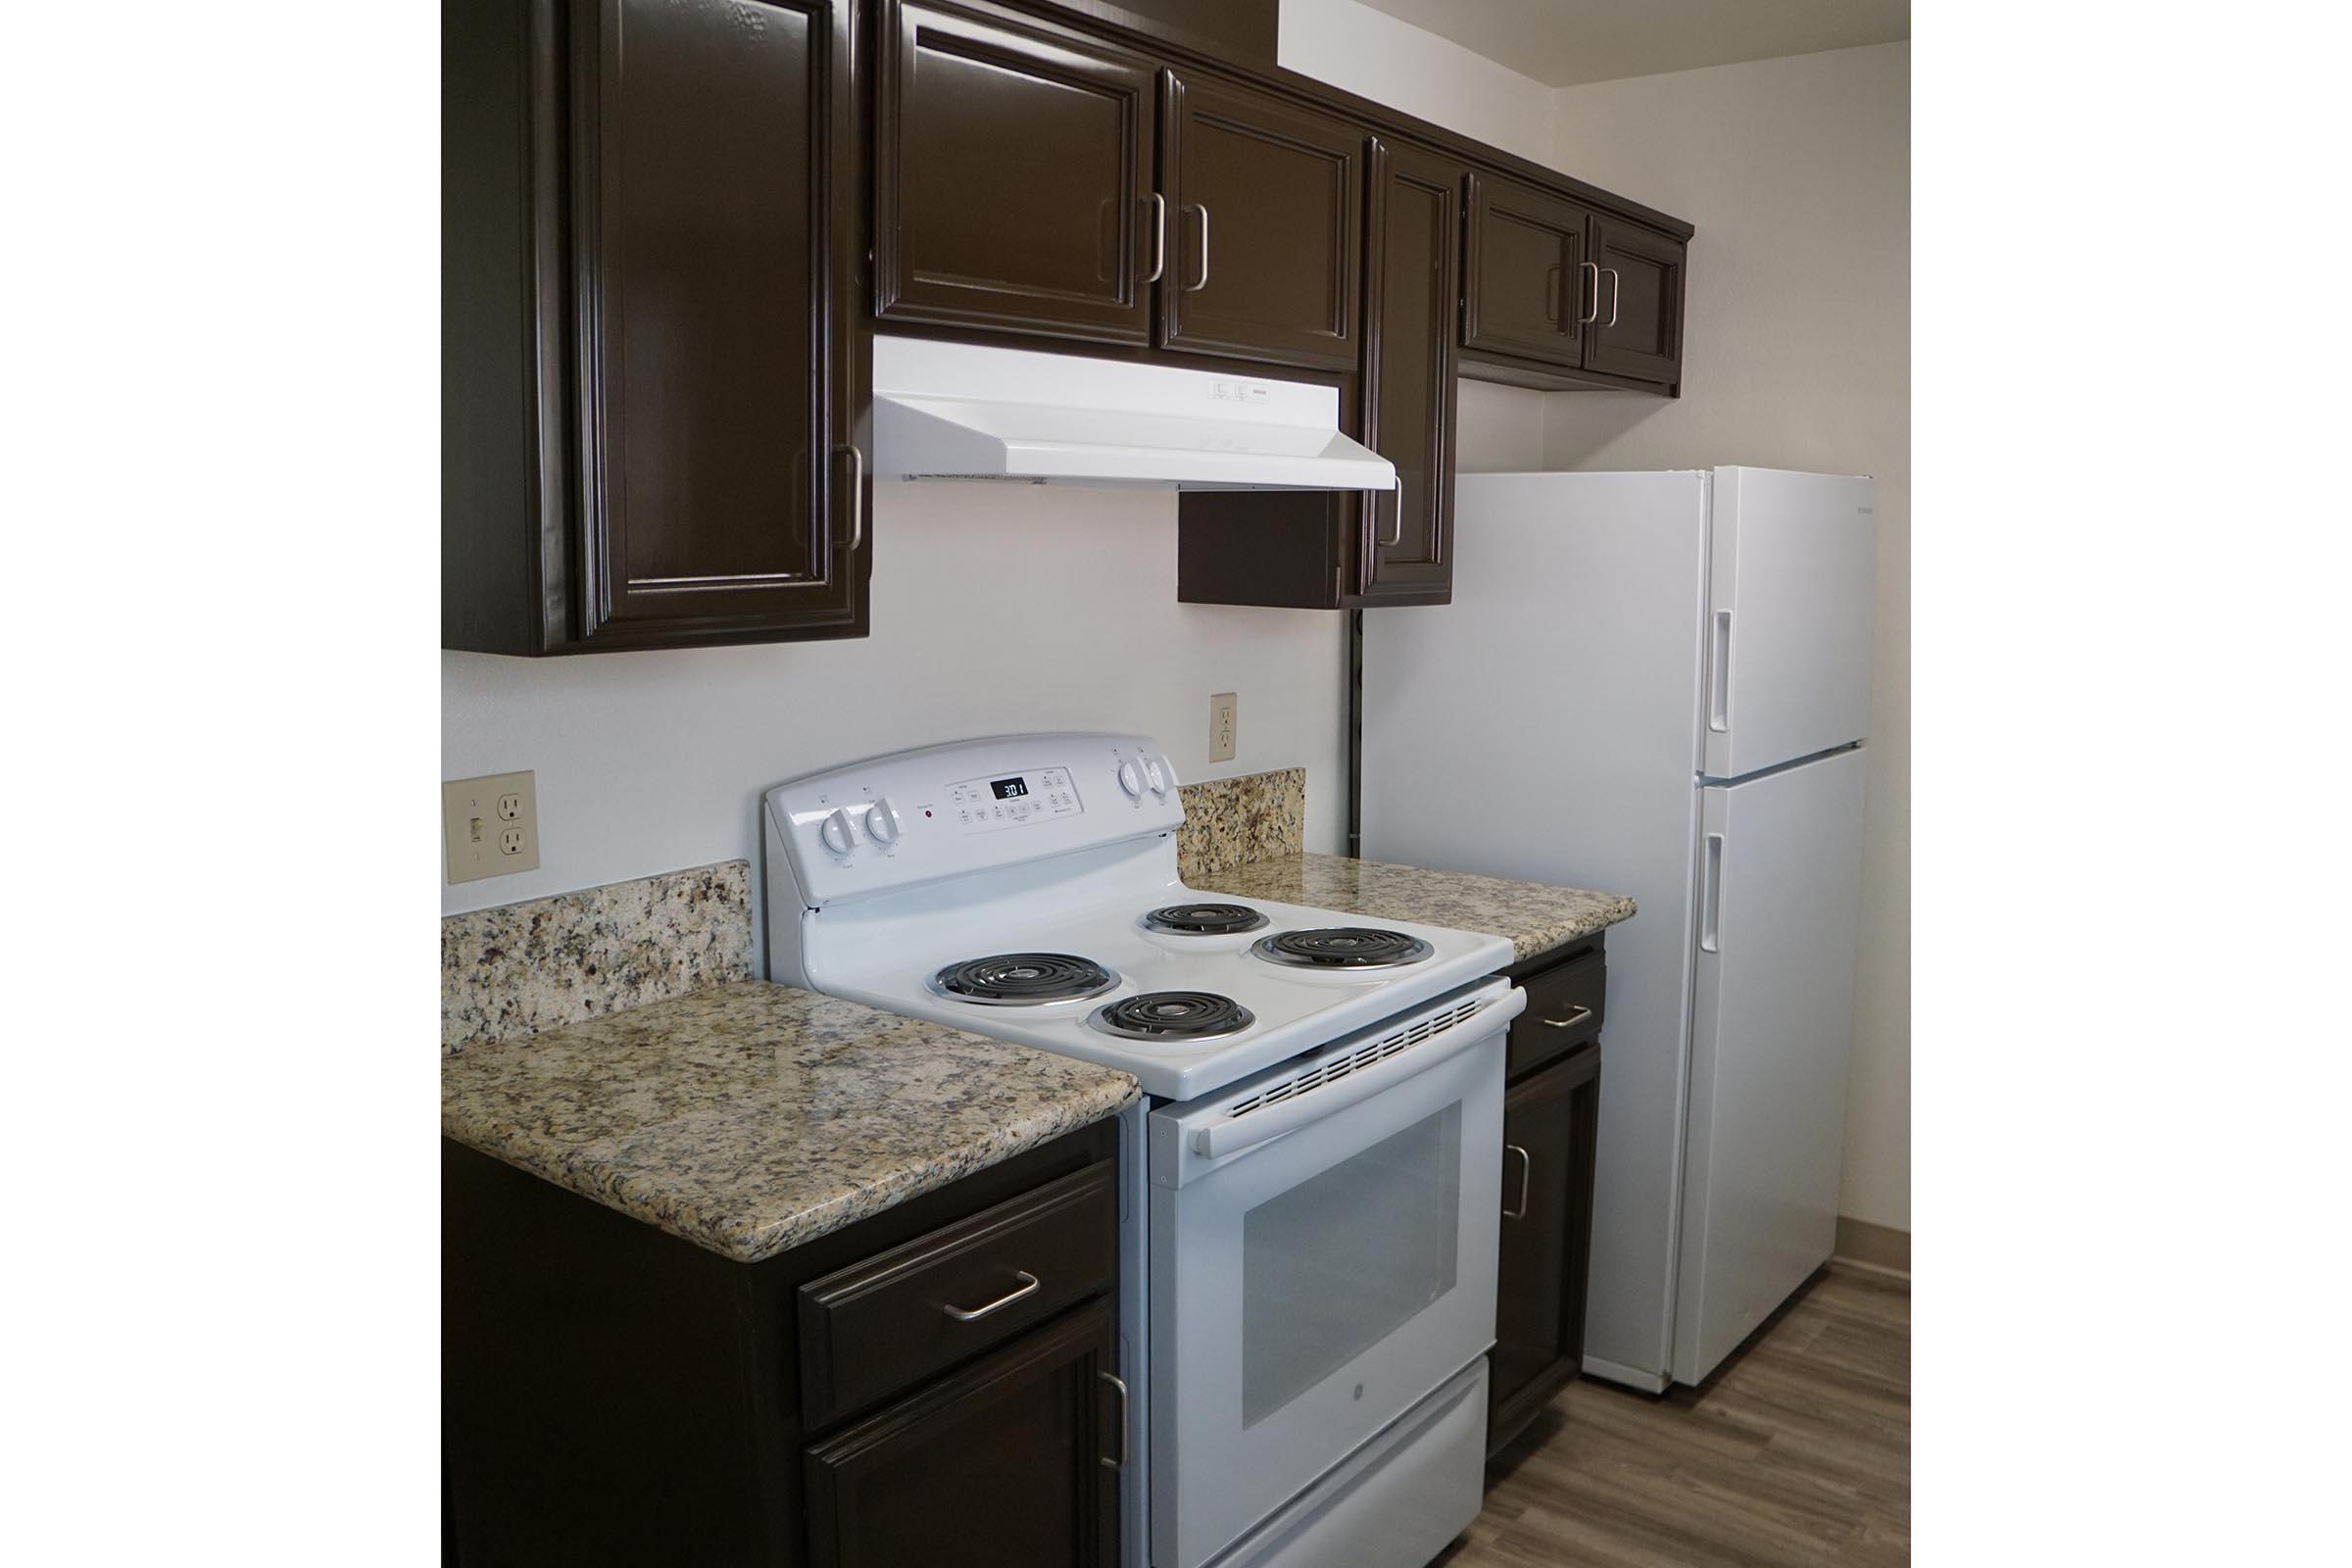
{"x":1323,"y":1241}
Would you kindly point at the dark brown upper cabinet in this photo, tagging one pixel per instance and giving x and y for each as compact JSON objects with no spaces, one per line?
{"x":1012,"y":178}
{"x":1266,"y":234}
{"x":1527,"y":268}
{"x":650,"y":350}
{"x":1559,"y":295}
{"x":1636,"y":328}
{"x":1411,"y":282}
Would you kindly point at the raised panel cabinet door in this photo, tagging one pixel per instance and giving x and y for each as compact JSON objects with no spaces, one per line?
{"x":1265,"y":237}
{"x":1411,"y":281}
{"x":1012,"y":1463}
{"x":1636,"y":328}
{"x":1012,"y":178}
{"x":1548,"y":1127}
{"x":1528,"y":288}
{"x":718,"y":492}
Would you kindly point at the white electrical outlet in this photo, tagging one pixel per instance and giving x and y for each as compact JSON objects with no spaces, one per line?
{"x":491,"y":826}
{"x":1221,"y":727}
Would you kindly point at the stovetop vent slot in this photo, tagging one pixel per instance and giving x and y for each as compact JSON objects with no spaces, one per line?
{"x":1339,"y":1067}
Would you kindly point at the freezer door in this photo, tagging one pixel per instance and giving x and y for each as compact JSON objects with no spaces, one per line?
{"x":1788,"y":625}
{"x":1779,"y":916}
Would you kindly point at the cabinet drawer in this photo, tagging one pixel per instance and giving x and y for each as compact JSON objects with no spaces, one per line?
{"x":1564,"y":1009}
{"x":878,"y":1326}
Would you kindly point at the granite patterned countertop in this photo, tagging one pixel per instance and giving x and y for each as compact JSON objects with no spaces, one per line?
{"x":1534,"y":916}
{"x":750,"y":1117}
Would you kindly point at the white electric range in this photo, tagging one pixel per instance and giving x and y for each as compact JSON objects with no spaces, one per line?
{"x":1310,"y":1226}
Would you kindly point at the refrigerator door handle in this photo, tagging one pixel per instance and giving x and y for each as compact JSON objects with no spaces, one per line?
{"x":1719,"y":675}
{"x":1710,"y":899}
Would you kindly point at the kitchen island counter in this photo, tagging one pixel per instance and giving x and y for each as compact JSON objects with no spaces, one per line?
{"x":1534,"y":916}
{"x":750,"y":1118}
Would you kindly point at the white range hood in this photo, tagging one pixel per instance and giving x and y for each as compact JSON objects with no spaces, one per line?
{"x":957,"y":410}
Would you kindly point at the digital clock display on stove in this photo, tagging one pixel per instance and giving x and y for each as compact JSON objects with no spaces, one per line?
{"x":1038,"y":795}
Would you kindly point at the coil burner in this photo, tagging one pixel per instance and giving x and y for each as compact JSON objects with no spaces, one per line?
{"x":1023,"y":979}
{"x":1203,"y":919}
{"x":1342,"y":947}
{"x":1172,"y":1016}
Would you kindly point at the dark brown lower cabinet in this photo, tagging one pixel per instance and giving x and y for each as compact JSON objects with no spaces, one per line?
{"x":1012,"y":1461}
{"x":614,"y":1393}
{"x":1550,"y":1115}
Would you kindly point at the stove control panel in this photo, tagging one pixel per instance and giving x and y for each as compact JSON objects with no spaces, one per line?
{"x":915,"y":817}
{"x":1012,"y":799}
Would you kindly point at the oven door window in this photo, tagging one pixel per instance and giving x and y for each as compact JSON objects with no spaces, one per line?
{"x":1335,"y":1265}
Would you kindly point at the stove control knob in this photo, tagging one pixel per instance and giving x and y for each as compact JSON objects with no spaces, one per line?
{"x":1159,"y":775}
{"x":839,"y":833}
{"x":1131,"y":779}
{"x":882,"y":822}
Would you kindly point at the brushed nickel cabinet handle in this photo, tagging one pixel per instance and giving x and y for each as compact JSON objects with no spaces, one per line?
{"x":1159,"y":238}
{"x":996,"y":1305}
{"x":1120,"y":1384}
{"x":1569,"y":1022}
{"x":1200,"y":282}
{"x":1527,"y":1176}
{"x":1614,"y":281}
{"x":1397,"y":537}
{"x":1585,"y":317}
{"x":857,"y":497}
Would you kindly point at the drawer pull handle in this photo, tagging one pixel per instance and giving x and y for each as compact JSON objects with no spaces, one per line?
{"x":1527,"y":1177}
{"x":1569,"y":1022}
{"x":1120,"y":1384}
{"x":996,"y":1305}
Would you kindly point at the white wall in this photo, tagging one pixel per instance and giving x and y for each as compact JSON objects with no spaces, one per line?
{"x":1376,"y":56}
{"x":1796,"y":173}
{"x":996,"y":608}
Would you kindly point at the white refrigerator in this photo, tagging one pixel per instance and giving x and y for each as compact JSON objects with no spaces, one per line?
{"x":1658,"y":684}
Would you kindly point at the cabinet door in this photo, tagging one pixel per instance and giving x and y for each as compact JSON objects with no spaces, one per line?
{"x":1529,"y":291}
{"x":1265,"y":240}
{"x":1411,"y":281}
{"x":1012,"y":1463}
{"x":1548,"y":1134}
{"x":718,"y":494}
{"x":1636,"y":328}
{"x":1012,"y":178}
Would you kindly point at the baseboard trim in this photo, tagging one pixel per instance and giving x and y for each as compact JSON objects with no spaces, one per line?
{"x":1879,"y":1246}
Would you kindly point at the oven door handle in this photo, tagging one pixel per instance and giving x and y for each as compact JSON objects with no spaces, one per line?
{"x":1229,"y":1134}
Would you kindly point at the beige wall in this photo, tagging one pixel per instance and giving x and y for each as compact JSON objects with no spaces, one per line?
{"x":1798,"y":172}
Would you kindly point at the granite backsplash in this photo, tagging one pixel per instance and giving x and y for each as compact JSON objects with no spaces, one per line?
{"x":535,"y":965}
{"x":1229,"y":822}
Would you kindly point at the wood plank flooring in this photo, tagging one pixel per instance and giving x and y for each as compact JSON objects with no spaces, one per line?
{"x":1796,"y":1452}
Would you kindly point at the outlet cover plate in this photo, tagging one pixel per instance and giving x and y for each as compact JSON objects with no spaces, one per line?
{"x":490,"y":825}
{"x":1221,"y":726}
